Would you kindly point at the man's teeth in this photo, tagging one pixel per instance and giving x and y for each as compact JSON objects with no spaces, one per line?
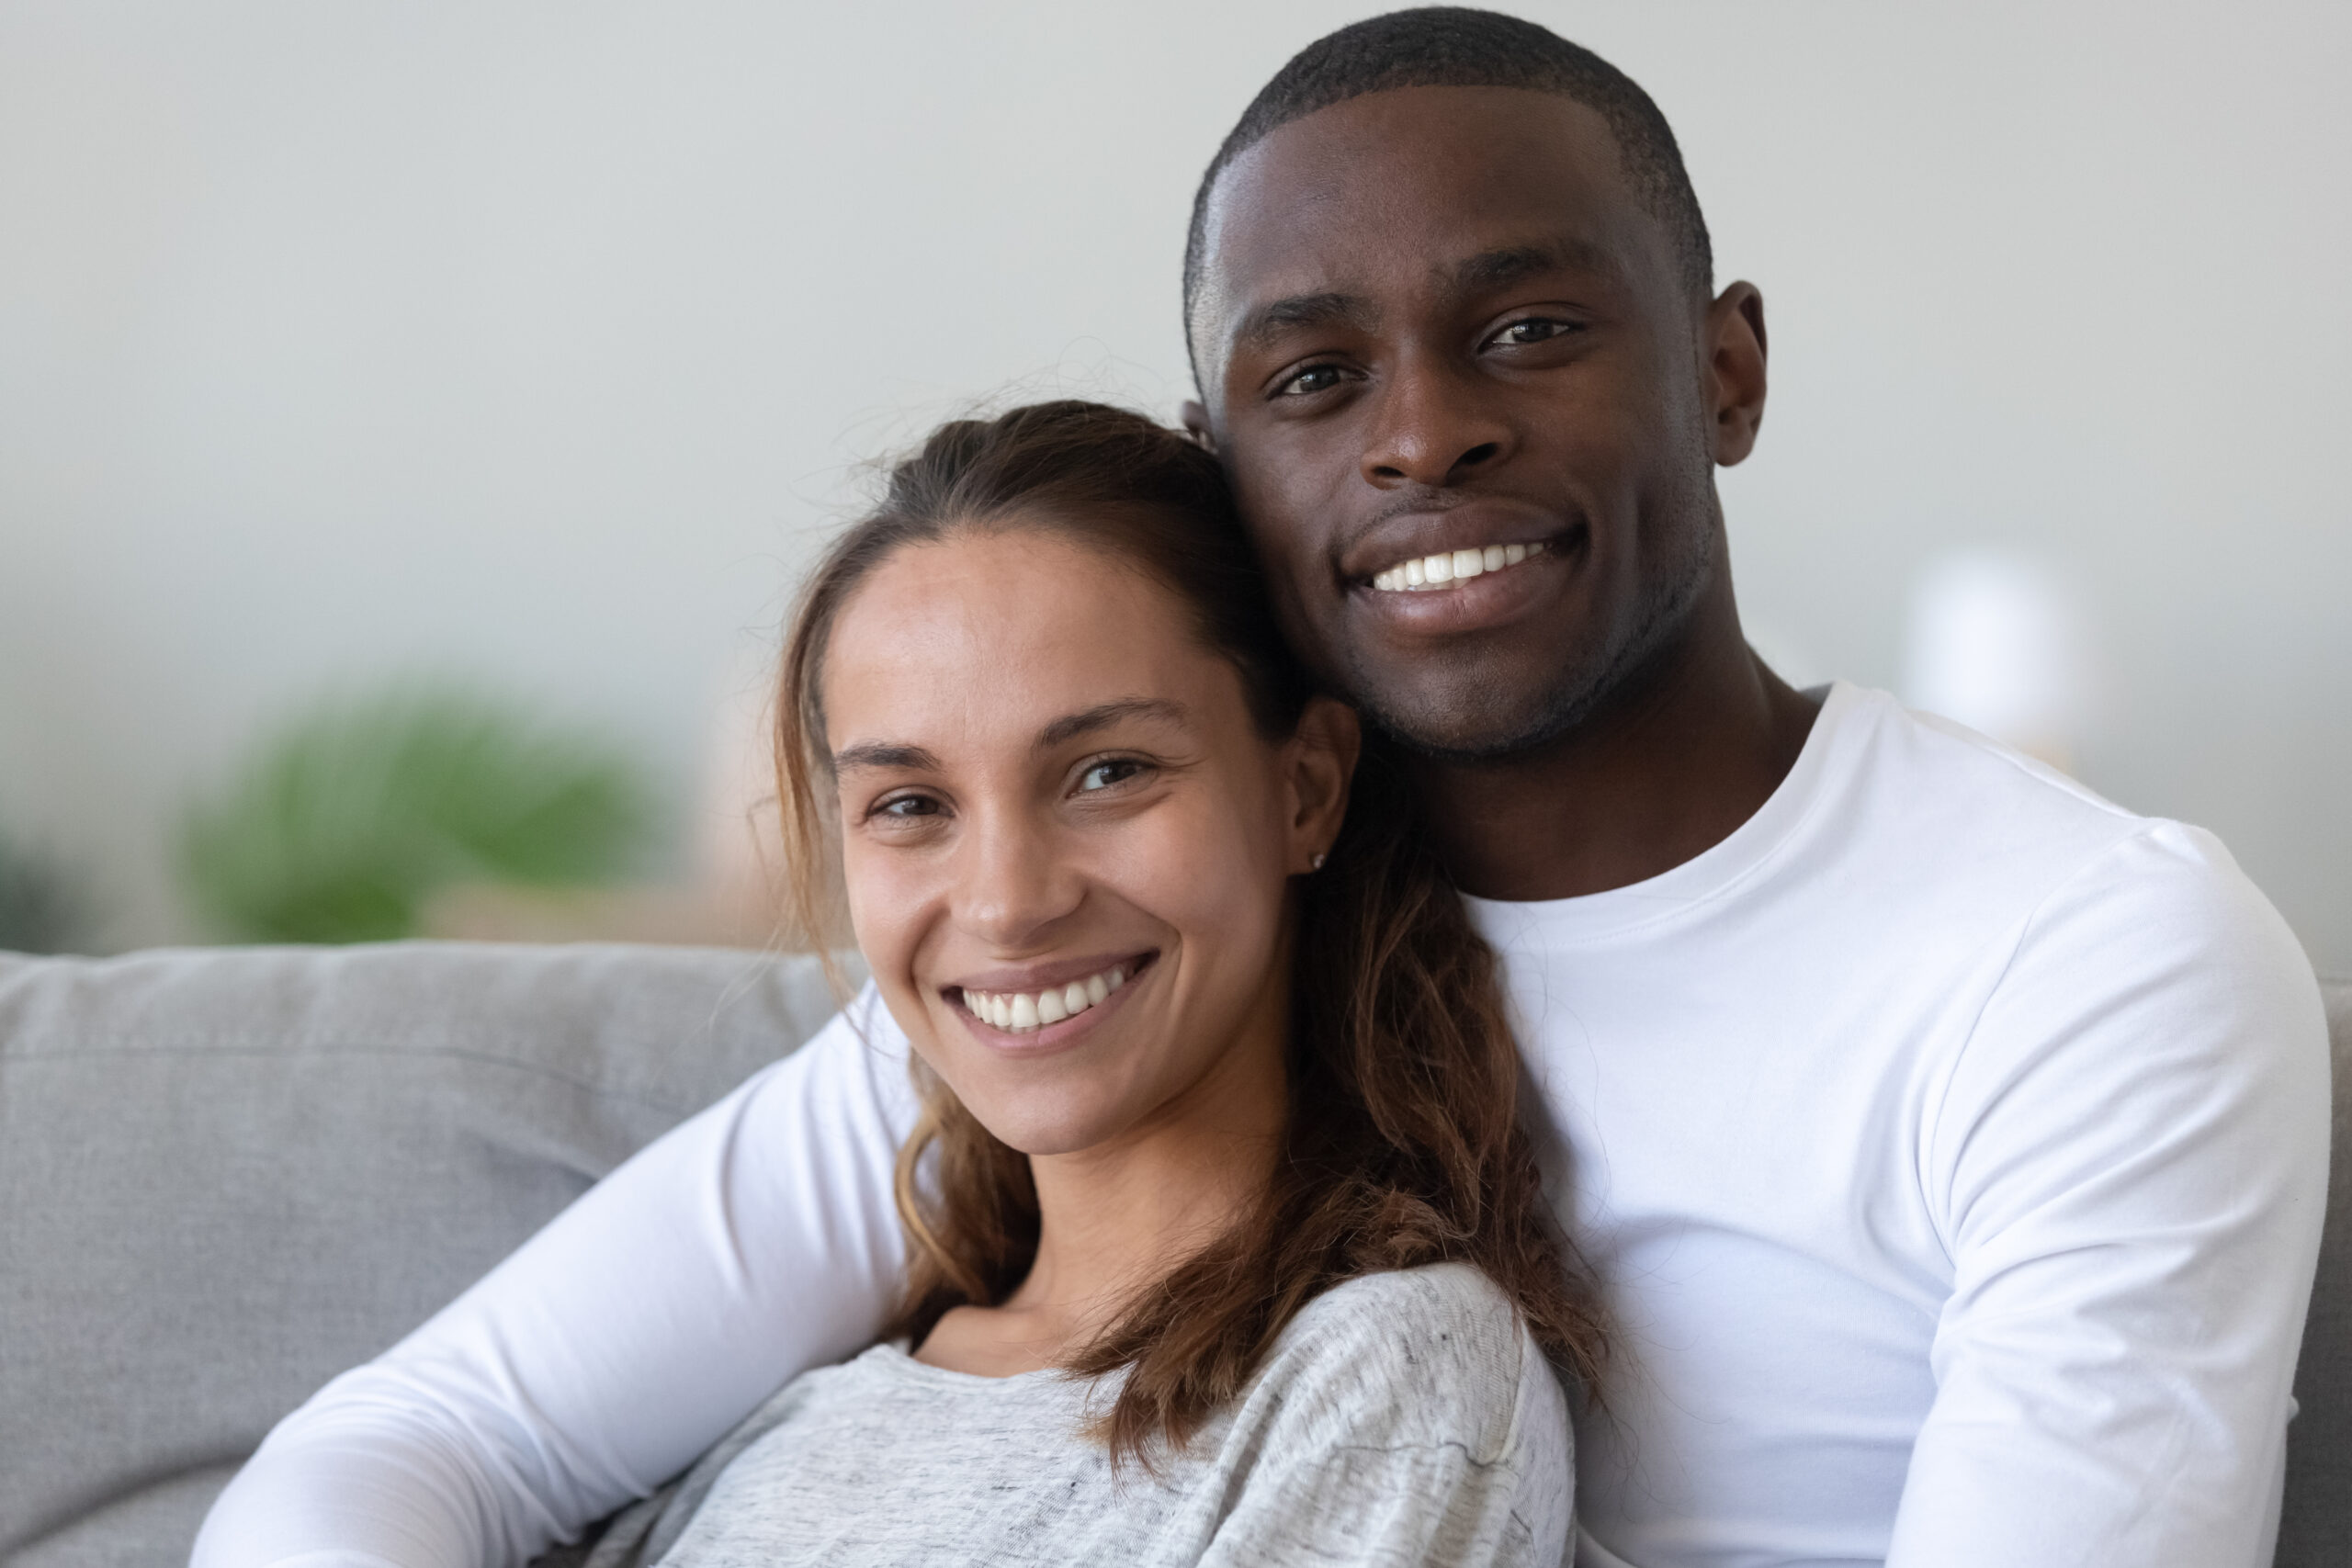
{"x":1448,"y":566}
{"x":1017,"y":1010}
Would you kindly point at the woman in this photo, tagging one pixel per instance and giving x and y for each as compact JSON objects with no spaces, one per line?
{"x":1224,"y":1244}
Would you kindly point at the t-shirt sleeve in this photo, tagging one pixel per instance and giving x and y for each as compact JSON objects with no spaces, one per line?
{"x":751,"y":1242}
{"x":1416,"y":1424}
{"x":2129,"y":1168}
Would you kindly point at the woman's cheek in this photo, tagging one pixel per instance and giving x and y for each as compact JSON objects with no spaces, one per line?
{"x":1212,"y":868}
{"x":886,"y":914}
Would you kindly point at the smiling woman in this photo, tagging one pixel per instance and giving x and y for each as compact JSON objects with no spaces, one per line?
{"x":1222,"y":1240}
{"x":1217,"y":1167}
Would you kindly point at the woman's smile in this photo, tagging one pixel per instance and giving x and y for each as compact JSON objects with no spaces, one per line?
{"x":1046,"y":1007}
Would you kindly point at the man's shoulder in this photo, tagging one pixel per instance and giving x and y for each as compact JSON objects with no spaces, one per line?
{"x":1928,"y":769}
{"x":2133,"y":937}
{"x":1966,"y":820}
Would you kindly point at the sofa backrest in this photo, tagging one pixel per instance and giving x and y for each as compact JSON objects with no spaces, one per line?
{"x":226,"y":1175}
{"x":2315,"y":1527}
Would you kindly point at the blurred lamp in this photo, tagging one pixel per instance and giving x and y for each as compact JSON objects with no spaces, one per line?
{"x":1997,"y":642}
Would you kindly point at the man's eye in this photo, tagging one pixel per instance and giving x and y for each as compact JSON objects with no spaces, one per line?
{"x":1314,"y":379}
{"x":1103,"y":774}
{"x":1535,"y":329}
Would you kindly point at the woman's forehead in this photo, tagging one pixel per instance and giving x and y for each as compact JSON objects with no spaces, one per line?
{"x":1006,"y":628}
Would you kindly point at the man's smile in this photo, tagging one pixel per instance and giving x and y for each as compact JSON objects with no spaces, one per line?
{"x":1446,"y":567}
{"x":1478,"y":602}
{"x":1425,"y":574}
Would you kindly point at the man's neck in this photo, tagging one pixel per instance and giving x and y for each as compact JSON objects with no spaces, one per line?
{"x":1667,"y":766}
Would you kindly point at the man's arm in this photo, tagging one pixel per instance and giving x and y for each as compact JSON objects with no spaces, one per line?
{"x":752,"y":1242}
{"x":2130,"y":1166}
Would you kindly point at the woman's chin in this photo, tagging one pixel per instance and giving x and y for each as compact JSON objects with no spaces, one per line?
{"x":1046,"y":1132}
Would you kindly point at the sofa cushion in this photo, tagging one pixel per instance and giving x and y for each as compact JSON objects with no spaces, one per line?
{"x":2317,"y":1522}
{"x":226,"y":1175}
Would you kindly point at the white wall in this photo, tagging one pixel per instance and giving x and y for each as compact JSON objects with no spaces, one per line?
{"x":539,"y":340}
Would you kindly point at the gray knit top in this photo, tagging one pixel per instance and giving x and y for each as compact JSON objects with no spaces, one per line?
{"x":1402,"y":1418}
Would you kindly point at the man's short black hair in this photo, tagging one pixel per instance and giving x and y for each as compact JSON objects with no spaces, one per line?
{"x":1453,"y":46}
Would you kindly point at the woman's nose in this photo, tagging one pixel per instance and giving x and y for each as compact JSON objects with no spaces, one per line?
{"x":1012,"y":882}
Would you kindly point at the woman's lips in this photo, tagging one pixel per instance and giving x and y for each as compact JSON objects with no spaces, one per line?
{"x":1041,"y":1017}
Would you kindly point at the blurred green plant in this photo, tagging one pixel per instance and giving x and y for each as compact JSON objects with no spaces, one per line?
{"x":43,"y":909}
{"x":348,"y":818}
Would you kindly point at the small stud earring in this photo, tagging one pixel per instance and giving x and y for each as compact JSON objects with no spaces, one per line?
{"x":1316,"y":863}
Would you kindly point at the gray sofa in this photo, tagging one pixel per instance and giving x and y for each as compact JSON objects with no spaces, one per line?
{"x":225,"y":1175}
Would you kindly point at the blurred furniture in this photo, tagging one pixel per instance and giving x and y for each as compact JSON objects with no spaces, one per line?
{"x":2316,"y":1530}
{"x":225,"y":1175}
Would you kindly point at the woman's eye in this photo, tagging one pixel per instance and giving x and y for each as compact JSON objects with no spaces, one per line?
{"x":1314,"y":379}
{"x":1103,"y":774}
{"x":1533,"y":329}
{"x":906,"y":807}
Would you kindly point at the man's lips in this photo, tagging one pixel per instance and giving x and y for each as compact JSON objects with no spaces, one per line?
{"x":1481,"y":602}
{"x":1434,"y":573}
{"x":1454,"y":532}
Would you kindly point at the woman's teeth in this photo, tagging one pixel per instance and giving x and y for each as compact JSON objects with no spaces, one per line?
{"x":1018,"y":1011}
{"x":1448,"y":567}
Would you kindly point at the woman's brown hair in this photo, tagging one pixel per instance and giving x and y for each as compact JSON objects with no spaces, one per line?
{"x":1403,"y":1145}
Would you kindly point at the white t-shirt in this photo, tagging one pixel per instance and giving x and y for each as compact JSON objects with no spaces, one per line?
{"x":1952,"y":1144}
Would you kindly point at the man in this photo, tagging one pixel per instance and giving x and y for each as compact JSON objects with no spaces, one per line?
{"x":1949,"y":1144}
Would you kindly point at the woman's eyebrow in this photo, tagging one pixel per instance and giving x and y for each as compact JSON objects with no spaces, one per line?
{"x":884,"y":754}
{"x":1104,"y":714}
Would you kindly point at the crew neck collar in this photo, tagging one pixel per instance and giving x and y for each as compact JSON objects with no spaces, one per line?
{"x":1838,"y":729}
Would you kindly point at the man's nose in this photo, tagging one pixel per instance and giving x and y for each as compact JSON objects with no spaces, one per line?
{"x":1012,"y":882}
{"x":1431,"y":426}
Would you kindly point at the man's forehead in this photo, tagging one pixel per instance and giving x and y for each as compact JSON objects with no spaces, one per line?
{"x":1445,"y":181}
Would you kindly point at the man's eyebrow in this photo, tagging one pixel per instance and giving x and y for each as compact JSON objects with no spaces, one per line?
{"x":1269,"y":321}
{"x":1507,"y":265}
{"x":1488,"y":270}
{"x":1102,"y":716}
{"x":884,"y":754}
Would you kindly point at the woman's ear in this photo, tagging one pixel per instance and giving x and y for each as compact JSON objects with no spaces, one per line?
{"x":1322,"y":760}
{"x":1195,"y":416}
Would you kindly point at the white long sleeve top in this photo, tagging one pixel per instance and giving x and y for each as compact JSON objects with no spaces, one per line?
{"x":1951,"y":1144}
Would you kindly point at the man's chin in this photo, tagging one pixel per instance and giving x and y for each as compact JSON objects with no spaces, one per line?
{"x":1470,"y":726}
{"x":1500,"y":705}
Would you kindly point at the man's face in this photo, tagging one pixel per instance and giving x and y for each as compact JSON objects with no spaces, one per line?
{"x":1434,"y":322}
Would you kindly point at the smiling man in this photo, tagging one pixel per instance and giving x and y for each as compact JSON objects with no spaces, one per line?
{"x":1948,"y":1142}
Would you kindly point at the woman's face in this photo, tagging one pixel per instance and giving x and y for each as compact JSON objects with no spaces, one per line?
{"x":1067,"y":844}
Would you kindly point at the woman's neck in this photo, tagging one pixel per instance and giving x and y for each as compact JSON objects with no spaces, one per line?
{"x":1117,"y":1216}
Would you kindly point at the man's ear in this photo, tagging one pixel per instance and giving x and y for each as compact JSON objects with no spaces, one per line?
{"x":1322,"y":763}
{"x":1195,"y":417}
{"x":1733,"y":373}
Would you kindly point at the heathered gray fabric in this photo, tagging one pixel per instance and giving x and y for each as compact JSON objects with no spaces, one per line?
{"x":226,"y":1175}
{"x":2315,"y":1524}
{"x":1402,"y":1418}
